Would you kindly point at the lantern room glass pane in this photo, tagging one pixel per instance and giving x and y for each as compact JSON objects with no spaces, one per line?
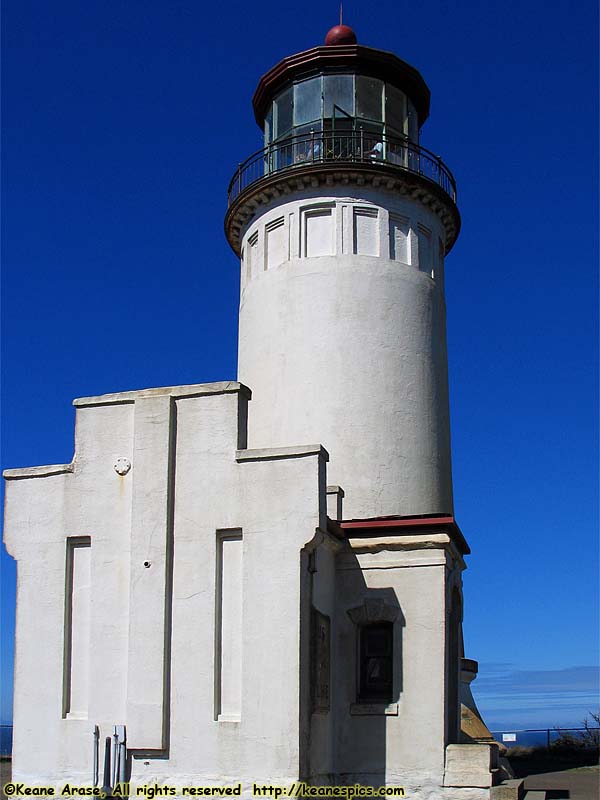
{"x":307,"y":101}
{"x":413,"y":123}
{"x":338,"y":90}
{"x":269,"y":126}
{"x":283,"y":109}
{"x":369,"y":94}
{"x":396,"y":115}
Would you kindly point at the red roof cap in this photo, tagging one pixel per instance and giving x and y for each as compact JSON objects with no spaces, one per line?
{"x":340,"y":34}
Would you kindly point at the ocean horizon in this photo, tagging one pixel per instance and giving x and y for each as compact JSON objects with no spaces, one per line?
{"x":509,"y":735}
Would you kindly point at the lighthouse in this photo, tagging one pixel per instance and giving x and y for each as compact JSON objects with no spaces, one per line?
{"x":258,"y":582}
{"x":342,"y":224}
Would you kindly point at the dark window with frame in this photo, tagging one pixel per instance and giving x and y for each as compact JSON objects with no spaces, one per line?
{"x":376,"y":653}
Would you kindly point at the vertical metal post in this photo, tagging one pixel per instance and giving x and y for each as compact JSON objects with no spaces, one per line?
{"x":312,"y":144}
{"x":362,"y":143}
{"x":121,"y":737}
{"x":239,"y":177}
{"x":96,"y":735}
{"x":114,"y":752}
{"x":106,"y":787}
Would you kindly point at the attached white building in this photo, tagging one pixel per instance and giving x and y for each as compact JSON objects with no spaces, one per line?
{"x":270,"y":591}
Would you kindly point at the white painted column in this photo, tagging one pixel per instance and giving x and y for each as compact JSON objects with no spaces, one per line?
{"x":150,"y":574}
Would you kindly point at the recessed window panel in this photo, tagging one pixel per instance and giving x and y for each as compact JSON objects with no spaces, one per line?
{"x":307,"y":101}
{"x":318,"y":232}
{"x":369,"y":94}
{"x":338,"y":96}
{"x":366,"y":232}
{"x":424,"y":249}
{"x":399,"y":239}
{"x":276,"y":243}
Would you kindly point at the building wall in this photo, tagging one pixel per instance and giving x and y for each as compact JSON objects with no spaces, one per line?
{"x":154,"y":535}
{"x":166,"y":580}
{"x":403,"y":741}
{"x":43,"y":511}
{"x":318,"y":731}
{"x":342,"y":338}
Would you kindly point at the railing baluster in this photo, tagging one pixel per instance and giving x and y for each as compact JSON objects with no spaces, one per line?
{"x":348,"y":146}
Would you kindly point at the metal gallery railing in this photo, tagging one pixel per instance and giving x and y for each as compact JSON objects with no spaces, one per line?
{"x":547,"y":737}
{"x":343,"y":147}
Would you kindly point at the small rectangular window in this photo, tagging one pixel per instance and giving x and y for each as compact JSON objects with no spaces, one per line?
{"x":376,"y":679}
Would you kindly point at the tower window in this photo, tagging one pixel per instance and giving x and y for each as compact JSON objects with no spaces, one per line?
{"x":376,"y":653}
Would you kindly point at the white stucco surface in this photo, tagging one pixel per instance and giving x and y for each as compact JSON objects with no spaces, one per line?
{"x":153,"y":551}
{"x":345,"y":343}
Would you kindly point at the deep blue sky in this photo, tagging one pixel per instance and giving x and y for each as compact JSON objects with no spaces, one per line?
{"x":122,"y":124}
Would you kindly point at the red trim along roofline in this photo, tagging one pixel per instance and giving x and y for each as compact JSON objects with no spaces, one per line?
{"x":403,"y":525}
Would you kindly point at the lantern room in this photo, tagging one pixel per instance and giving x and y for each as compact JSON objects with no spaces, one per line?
{"x":341,"y":100}
{"x":340,"y":112}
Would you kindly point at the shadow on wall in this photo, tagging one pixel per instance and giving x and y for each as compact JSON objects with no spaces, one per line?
{"x":356,"y":680}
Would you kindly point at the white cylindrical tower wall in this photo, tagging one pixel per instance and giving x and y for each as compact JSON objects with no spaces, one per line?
{"x":343,"y":341}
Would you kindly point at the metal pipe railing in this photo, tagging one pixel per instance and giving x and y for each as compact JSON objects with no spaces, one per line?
{"x":343,"y":147}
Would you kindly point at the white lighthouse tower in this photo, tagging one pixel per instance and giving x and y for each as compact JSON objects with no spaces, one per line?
{"x":257,"y":583}
{"x":342,"y":224}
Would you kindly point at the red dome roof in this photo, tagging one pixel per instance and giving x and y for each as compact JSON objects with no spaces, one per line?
{"x":340,"y":34}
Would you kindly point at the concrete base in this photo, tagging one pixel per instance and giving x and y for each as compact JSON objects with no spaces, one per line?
{"x":509,"y":790}
{"x":470,"y":765}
